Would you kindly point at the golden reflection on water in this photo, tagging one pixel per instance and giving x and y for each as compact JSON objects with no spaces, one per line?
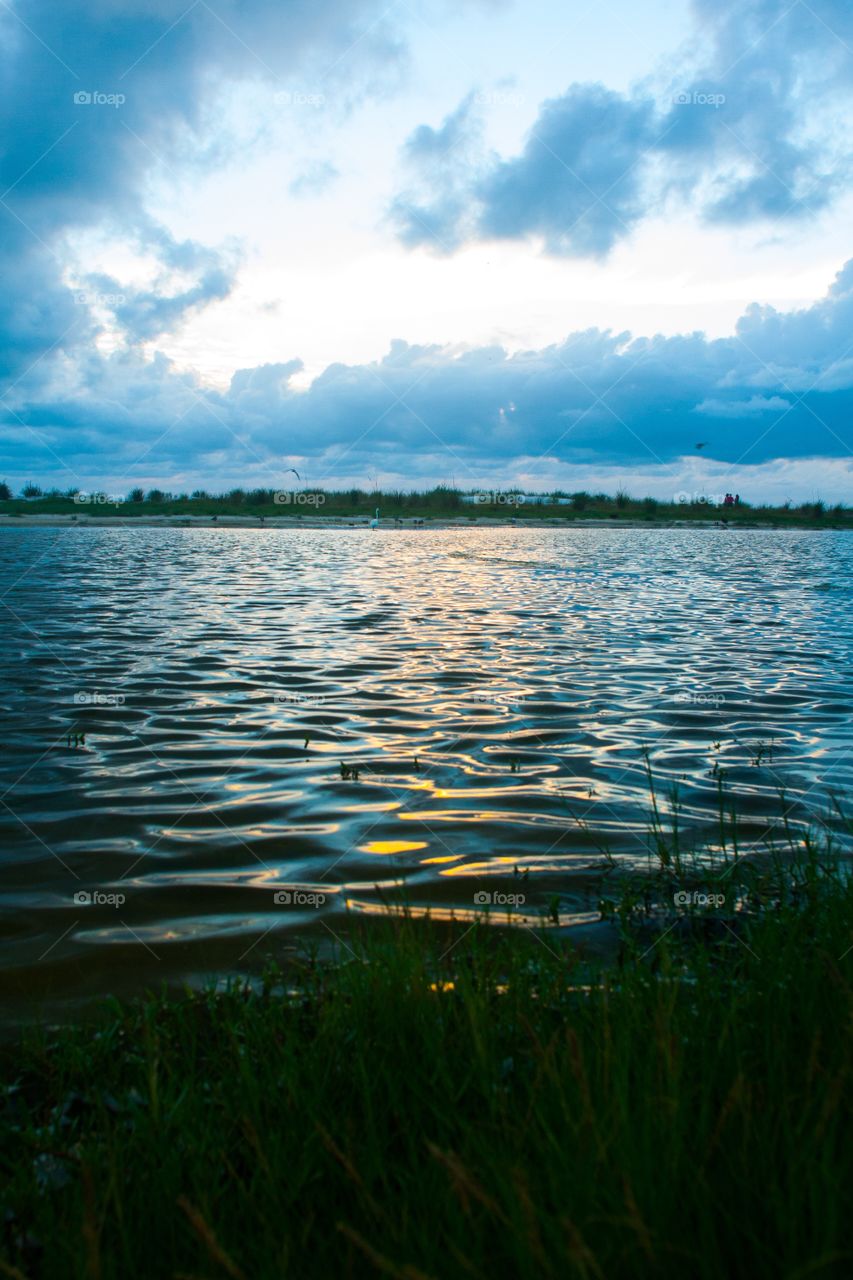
{"x":393,"y":846}
{"x":489,"y":693}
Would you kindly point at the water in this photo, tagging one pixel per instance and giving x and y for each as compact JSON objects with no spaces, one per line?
{"x":493,"y":688}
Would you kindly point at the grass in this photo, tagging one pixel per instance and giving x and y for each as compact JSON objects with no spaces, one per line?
{"x":468,"y":1104}
{"x":438,"y":503}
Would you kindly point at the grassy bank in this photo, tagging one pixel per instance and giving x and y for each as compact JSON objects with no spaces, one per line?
{"x":467,"y":1104}
{"x":440,"y":503}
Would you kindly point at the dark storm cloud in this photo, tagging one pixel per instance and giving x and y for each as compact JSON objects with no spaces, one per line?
{"x":782,"y":387}
{"x":594,"y":164}
{"x":91,"y":98}
{"x":752,"y":125}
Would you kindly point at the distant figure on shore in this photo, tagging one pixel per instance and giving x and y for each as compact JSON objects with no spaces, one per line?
{"x":737,"y":499}
{"x":729,"y":501}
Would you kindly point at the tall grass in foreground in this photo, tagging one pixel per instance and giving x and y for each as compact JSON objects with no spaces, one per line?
{"x":493,"y":1107}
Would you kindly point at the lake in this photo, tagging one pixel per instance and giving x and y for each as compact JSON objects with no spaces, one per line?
{"x":218,"y":744}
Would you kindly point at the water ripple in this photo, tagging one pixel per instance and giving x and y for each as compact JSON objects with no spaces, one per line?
{"x":196,"y":720}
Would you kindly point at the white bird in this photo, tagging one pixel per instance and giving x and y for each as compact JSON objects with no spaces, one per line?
{"x":374,"y":524}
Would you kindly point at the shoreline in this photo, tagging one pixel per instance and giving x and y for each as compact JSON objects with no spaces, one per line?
{"x":59,"y":520}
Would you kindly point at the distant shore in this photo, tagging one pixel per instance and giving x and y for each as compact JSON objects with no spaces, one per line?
{"x":55,"y":520}
{"x":438,"y":508}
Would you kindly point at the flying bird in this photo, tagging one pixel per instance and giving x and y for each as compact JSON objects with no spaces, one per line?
{"x":295,"y":472}
{"x":701,"y":444}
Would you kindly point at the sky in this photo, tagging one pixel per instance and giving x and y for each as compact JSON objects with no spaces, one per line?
{"x":577,"y":245}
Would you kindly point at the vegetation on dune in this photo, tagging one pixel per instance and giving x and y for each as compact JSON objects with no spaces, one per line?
{"x":441,"y":502}
{"x":468,"y":1102}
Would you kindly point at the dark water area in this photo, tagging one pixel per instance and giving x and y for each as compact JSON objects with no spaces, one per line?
{"x":232,"y":740}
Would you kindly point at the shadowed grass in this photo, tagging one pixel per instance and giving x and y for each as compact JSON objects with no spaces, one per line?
{"x":470,"y":1105}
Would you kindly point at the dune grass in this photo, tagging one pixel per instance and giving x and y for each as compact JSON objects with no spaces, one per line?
{"x":476,"y":1103}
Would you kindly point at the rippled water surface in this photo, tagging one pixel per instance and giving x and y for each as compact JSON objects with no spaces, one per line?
{"x":183,"y":710}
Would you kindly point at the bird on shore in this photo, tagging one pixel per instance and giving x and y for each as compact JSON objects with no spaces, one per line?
{"x":374,"y":524}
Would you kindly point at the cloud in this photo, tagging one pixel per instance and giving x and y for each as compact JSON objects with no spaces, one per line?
{"x":748,"y":126}
{"x":743,"y":408}
{"x":149,"y":75}
{"x":598,"y":401}
{"x":443,"y":159}
{"x":574,"y":184}
{"x":314,"y":180}
{"x":89,"y":107}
